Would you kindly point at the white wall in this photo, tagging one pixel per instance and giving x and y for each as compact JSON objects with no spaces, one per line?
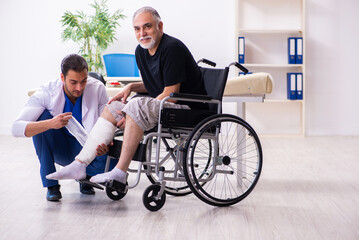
{"x":31,"y":50}
{"x":332,"y":65}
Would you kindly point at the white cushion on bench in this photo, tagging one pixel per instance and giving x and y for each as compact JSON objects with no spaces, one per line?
{"x":256,"y":83}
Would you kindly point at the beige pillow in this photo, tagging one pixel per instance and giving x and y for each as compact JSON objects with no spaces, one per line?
{"x":256,"y":83}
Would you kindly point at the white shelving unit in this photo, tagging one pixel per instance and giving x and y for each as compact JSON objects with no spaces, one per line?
{"x":266,"y":26}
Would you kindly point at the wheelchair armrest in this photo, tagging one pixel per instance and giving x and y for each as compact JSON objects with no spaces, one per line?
{"x":190,"y":96}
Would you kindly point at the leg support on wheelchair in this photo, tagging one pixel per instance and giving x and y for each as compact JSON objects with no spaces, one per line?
{"x":162,"y":182}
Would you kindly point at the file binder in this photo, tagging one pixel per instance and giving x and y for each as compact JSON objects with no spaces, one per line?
{"x":291,"y":50}
{"x":291,"y":86}
{"x":299,"y":86}
{"x":299,"y":50}
{"x":241,"y":51}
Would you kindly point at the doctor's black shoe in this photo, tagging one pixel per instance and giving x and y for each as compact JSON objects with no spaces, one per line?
{"x":86,"y":189}
{"x":53,"y":193}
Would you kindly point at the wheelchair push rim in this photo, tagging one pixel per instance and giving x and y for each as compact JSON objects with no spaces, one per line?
{"x":236,"y":164}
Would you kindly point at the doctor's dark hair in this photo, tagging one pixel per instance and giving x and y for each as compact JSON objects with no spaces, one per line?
{"x":73,"y":62}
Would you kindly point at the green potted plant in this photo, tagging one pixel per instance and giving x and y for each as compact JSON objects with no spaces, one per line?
{"x":93,"y":33}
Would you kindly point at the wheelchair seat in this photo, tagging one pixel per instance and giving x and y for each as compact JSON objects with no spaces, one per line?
{"x":214,"y":81}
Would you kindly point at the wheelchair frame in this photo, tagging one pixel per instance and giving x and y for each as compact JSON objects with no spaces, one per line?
{"x":187,"y":161}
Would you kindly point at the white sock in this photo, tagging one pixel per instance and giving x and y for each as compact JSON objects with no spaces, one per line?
{"x":102,"y":132}
{"x":114,"y":174}
{"x":75,"y":170}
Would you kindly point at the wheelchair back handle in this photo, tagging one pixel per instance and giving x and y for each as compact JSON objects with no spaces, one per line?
{"x":206,"y":61}
{"x":213,"y":64}
{"x":243,"y":69}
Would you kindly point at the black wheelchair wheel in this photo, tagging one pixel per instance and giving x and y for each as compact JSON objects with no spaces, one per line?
{"x":235,"y":167}
{"x":149,"y":198}
{"x":115,"y":195}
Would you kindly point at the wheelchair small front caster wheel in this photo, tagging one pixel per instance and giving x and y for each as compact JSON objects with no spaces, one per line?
{"x":115,"y":195}
{"x":149,"y":198}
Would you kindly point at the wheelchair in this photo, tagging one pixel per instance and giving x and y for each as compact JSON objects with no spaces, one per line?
{"x":216,"y":156}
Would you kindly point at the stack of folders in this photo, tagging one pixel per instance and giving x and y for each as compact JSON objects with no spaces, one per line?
{"x":241,"y":49}
{"x":295,"y":50}
{"x":295,"y":86}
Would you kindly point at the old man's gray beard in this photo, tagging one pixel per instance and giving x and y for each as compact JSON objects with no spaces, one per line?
{"x":149,"y":45}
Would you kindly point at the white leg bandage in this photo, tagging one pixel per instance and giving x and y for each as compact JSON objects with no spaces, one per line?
{"x":102,"y":132}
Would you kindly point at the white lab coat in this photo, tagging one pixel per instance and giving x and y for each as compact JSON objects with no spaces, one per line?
{"x":51,"y":97}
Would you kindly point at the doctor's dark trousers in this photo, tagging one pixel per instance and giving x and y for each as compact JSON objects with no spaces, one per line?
{"x":59,"y":146}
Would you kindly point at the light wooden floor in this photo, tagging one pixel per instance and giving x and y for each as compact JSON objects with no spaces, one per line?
{"x":309,"y":189}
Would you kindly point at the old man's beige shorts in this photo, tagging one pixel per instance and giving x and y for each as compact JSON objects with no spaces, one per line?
{"x":143,"y":110}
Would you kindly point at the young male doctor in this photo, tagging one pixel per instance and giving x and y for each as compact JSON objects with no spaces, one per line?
{"x":48,"y":111}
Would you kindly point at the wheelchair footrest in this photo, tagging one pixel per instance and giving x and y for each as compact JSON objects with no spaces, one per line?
{"x":117,"y":186}
{"x":87,"y":182}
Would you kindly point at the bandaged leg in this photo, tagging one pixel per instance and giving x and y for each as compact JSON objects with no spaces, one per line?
{"x":102,"y":132}
{"x":132,"y":136}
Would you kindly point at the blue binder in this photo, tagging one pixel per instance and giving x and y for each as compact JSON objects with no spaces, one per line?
{"x":299,"y":50}
{"x":292,"y":50}
{"x":299,"y":87}
{"x":291,"y":86}
{"x":241,"y":50}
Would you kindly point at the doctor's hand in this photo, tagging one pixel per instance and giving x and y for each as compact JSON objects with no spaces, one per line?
{"x":60,"y":120}
{"x":103,"y":149}
{"x":123,"y":95}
